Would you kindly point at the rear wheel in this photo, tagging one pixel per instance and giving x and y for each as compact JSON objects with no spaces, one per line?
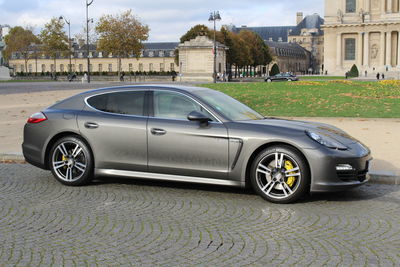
{"x":280,"y":174}
{"x":269,"y":80}
{"x":71,"y":161}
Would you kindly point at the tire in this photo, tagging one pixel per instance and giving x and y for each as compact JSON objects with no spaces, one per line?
{"x":71,"y":161}
{"x":289,"y":80}
{"x":272,"y":181}
{"x":268,"y":80}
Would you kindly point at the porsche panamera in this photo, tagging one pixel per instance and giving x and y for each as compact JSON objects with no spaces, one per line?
{"x":190,"y":134}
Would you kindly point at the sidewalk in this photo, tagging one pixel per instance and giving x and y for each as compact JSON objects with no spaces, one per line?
{"x":380,"y":135}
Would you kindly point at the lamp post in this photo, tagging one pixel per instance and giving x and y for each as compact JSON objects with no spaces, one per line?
{"x":69,"y":43}
{"x":87,"y":37}
{"x":214,"y":16}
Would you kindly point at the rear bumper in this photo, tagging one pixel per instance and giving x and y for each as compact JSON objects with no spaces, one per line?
{"x":33,"y":156}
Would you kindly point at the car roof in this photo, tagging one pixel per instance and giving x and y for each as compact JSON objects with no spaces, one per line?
{"x":188,"y":89}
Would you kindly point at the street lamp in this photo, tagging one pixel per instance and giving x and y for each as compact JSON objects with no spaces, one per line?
{"x":214,"y":16}
{"x":69,"y":42}
{"x":87,"y":37}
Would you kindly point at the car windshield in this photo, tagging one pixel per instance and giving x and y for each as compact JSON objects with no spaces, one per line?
{"x":228,"y":106}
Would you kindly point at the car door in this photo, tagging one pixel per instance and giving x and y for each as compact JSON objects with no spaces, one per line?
{"x":182,"y":147}
{"x":115,"y":125}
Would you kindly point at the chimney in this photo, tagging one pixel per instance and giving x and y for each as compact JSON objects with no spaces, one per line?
{"x":299,"y":17}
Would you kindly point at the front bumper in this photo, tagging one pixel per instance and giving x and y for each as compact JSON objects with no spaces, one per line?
{"x":326,"y":178}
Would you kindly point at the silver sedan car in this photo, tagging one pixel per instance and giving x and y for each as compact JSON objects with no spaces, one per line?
{"x":190,"y":134}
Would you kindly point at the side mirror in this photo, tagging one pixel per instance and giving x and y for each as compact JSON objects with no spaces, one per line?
{"x":197,"y":116}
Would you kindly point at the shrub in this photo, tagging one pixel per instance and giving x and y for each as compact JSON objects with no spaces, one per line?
{"x":274,"y":70}
{"x":353,"y":71}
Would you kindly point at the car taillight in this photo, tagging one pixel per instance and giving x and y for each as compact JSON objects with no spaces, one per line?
{"x":37,"y":117}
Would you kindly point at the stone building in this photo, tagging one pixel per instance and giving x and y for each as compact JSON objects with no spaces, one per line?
{"x":364,"y":33}
{"x":309,"y":35}
{"x":196,"y":59}
{"x":155,"y":57}
{"x":290,"y":57}
{"x":286,"y":43}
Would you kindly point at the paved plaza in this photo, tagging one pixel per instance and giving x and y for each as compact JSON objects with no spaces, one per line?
{"x":133,"y":222}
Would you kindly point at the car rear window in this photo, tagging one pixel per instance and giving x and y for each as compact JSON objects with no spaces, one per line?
{"x":128,"y":103}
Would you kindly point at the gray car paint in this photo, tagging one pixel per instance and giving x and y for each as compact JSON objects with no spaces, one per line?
{"x":190,"y":150}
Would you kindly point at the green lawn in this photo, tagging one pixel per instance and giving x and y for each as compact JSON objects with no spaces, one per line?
{"x":318,"y":99}
{"x":322,"y":77}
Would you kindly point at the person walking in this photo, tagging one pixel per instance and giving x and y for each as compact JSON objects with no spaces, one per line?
{"x":383,"y":76}
{"x":378,"y":76}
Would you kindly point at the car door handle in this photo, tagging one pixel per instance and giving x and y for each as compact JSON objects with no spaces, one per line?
{"x":91,"y":125}
{"x":156,"y":131}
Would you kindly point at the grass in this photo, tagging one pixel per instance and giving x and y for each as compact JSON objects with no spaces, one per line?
{"x":322,"y":77}
{"x":341,"y":98}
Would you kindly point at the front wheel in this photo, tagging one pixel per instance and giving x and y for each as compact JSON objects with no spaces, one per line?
{"x":280,"y":174}
{"x":269,"y":80}
{"x":71,"y":161}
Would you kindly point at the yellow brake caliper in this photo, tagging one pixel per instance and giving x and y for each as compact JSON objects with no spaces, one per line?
{"x":290,"y":180}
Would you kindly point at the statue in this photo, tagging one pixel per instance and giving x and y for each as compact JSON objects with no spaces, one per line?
{"x":374,"y":51}
{"x":340,"y":15}
{"x":362,"y":15}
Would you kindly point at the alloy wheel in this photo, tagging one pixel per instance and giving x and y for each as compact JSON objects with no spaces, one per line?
{"x":278,"y":175}
{"x":69,"y":161}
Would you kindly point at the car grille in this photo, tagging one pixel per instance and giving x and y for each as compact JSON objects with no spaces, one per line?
{"x":349,"y":176}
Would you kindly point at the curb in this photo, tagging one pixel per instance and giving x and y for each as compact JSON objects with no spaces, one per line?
{"x":376,"y":177}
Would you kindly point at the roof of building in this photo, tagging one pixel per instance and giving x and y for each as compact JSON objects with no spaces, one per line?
{"x":274,"y":33}
{"x":309,"y":22}
{"x":287,"y":49}
{"x":161,"y":45}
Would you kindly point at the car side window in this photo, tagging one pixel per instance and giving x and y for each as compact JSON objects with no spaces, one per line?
{"x":171,"y":105}
{"x":127,"y":103}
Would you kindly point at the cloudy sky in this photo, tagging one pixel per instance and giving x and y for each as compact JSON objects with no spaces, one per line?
{"x":167,"y":20}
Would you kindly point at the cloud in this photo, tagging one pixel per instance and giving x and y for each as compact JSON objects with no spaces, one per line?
{"x":168,"y":20}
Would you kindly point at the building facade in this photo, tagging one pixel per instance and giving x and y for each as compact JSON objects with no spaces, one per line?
{"x":364,"y":33}
{"x":309,"y":35}
{"x":155,"y":57}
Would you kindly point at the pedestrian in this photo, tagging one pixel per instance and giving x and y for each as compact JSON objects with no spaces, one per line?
{"x":383,"y":76}
{"x":366,"y":73}
{"x":347,"y":75}
{"x":121,"y":77}
{"x":378,"y":76}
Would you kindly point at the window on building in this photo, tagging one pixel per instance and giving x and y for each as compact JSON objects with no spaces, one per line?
{"x":350,"y":49}
{"x":62,"y":67}
{"x":130,"y":67}
{"x":172,"y":67}
{"x":80,"y":68}
{"x":30,"y":68}
{"x":100,"y":67}
{"x":161,"y":54}
{"x":171,"y":53}
{"x":109,"y":67}
{"x":151,"y":54}
{"x":52,"y":68}
{"x":43,"y":68}
{"x":151,"y":67}
{"x":141,"y":67}
{"x":90,"y":67}
{"x":73,"y":68}
{"x":350,"y":6}
{"x":22,"y":68}
{"x":162,"y":69}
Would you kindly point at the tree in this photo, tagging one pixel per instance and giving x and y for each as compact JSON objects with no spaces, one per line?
{"x":81,"y":36}
{"x":19,"y":40}
{"x":122,"y":35}
{"x":195,"y":31}
{"x":54,"y":39}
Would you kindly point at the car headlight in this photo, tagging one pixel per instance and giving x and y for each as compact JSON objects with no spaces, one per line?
{"x":326,"y":141}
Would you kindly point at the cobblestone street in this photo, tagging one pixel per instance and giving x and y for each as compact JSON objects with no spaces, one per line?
{"x":134,"y":222}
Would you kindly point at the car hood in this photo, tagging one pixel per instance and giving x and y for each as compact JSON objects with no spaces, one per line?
{"x":320,"y":128}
